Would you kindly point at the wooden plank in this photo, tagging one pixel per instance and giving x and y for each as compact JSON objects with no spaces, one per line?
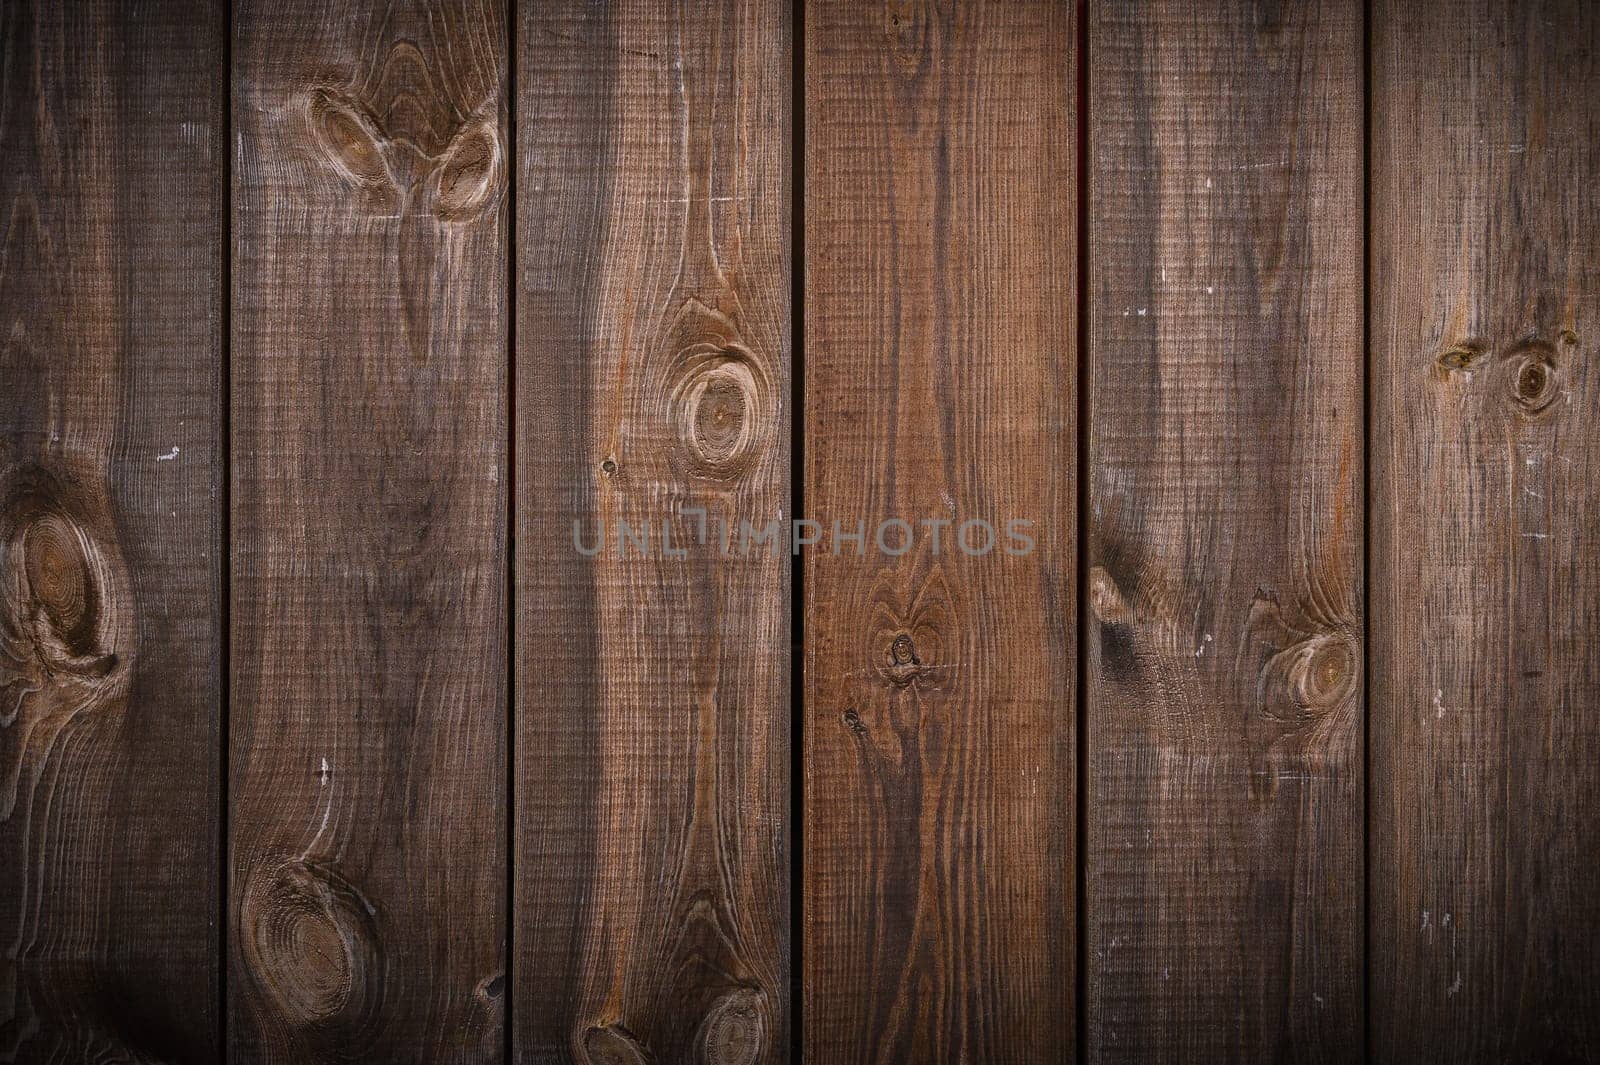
{"x":941,"y":371}
{"x":367,"y":880}
{"x":1224,"y":852}
{"x":653,"y":384}
{"x":110,"y":580}
{"x":1486,"y":559}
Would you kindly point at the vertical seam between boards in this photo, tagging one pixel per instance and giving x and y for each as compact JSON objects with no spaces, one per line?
{"x":225,"y":547}
{"x":508,"y":995}
{"x":797,"y":700}
{"x":1080,"y":680}
{"x":1366,"y":530}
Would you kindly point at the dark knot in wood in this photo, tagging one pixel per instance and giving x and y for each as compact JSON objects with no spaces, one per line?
{"x":310,"y":940}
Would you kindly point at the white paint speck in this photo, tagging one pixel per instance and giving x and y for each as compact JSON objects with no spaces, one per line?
{"x":1208,"y":183}
{"x":1454,"y":987}
{"x":1319,"y":1000}
{"x":1202,"y":648}
{"x":1438,"y":711}
{"x":494,"y":474}
{"x":169,"y":456}
{"x":324,"y":773}
{"x":1210,"y":289}
{"x":1143,"y":311}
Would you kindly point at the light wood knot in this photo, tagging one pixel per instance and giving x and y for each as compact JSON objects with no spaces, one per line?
{"x":310,"y":940}
{"x":1461,"y":357}
{"x":613,"y":1044}
{"x":64,"y":613}
{"x":1106,"y":600}
{"x":467,"y":176}
{"x":1322,"y":672}
{"x":351,"y":140}
{"x":734,"y":1029}
{"x":722,"y":409}
{"x":394,"y":173}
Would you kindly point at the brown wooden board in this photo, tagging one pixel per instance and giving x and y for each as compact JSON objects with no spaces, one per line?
{"x":941,"y":371}
{"x":1485,"y":313}
{"x":367,"y":884}
{"x":653,"y":387}
{"x":1224,"y":852}
{"x":110,"y":522}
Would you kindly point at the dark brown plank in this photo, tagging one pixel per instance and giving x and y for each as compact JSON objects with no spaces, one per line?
{"x":110,"y":679}
{"x":1224,"y":850}
{"x":1485,"y":551}
{"x":653,"y":381}
{"x":941,"y":368}
{"x":367,"y":880}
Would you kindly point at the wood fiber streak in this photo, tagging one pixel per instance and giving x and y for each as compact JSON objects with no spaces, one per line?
{"x":1485,"y":552}
{"x":367,"y":891}
{"x":653,"y":387}
{"x":110,"y":345}
{"x":1224,"y":852}
{"x":941,"y":375}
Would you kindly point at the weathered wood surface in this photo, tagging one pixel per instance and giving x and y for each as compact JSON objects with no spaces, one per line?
{"x":941,"y":369}
{"x":111,"y":266}
{"x":653,"y":387}
{"x":1485,"y":303}
{"x":1224,"y":853}
{"x":367,"y":884}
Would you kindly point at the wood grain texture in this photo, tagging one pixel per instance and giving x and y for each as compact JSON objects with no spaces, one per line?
{"x":1485,"y":309}
{"x":941,"y":369}
{"x":1224,"y":890}
{"x":653,"y":389}
{"x":367,"y":886}
{"x":110,"y":580}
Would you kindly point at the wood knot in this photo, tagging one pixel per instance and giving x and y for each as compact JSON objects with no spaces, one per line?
{"x":390,"y":171}
{"x":467,"y":176}
{"x":65,"y":618}
{"x":1534,"y":382}
{"x":903,"y":651}
{"x":1322,"y":672}
{"x":904,"y":664}
{"x":853,"y":722}
{"x":310,"y":940}
{"x":352,"y":142}
{"x":1106,"y":601}
{"x":614,"y":1045}
{"x":721,"y":407}
{"x":1462,"y":357}
{"x":734,"y":1029}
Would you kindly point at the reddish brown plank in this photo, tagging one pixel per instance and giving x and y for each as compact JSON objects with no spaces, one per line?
{"x":1224,"y":892}
{"x":1486,"y":559}
{"x":941,"y":368}
{"x":367,"y":878}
